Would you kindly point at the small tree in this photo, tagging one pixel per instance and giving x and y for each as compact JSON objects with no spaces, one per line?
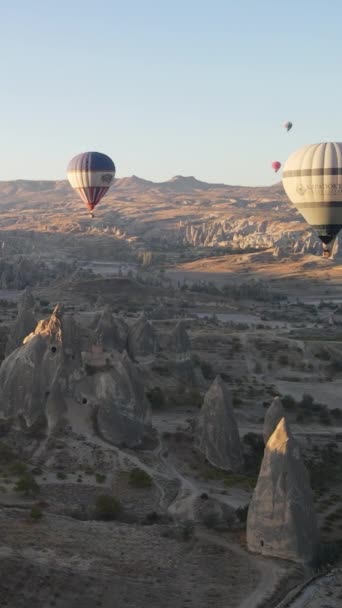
{"x":156,"y":397}
{"x":138,"y":478}
{"x":36,"y":513}
{"x":27,"y":485}
{"x":107,"y":507}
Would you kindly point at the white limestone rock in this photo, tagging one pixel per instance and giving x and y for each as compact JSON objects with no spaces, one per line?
{"x":281,"y":518}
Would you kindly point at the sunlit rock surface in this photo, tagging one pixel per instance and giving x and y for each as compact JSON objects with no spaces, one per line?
{"x":272,"y":418}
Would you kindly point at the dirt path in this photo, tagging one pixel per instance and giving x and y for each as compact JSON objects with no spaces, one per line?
{"x":269,"y":572}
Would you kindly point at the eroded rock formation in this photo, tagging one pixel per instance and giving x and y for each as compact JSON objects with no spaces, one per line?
{"x":179,"y":342}
{"x":142,"y":339}
{"x":217,"y":435}
{"x":272,"y":418}
{"x":281,"y":518}
{"x":49,"y":378}
{"x":110,"y":333}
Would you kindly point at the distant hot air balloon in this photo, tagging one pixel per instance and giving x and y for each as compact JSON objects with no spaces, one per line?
{"x":288,"y":126}
{"x":312,"y":180}
{"x":91,"y":175}
{"x":276,"y":165}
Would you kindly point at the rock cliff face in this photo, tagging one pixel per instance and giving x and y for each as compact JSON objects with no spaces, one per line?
{"x":249,"y":234}
{"x":50,"y":381}
{"x":114,"y":391}
{"x":24,"y":323}
{"x":111,"y":335}
{"x":272,"y":418}
{"x":217,"y":435}
{"x":28,"y":373}
{"x":142,"y":339}
{"x":281,"y":519}
{"x":179,"y":342}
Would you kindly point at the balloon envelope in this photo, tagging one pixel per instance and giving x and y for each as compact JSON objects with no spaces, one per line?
{"x":276,"y":165}
{"x":288,"y":126}
{"x":91,"y":175}
{"x":312,"y":180}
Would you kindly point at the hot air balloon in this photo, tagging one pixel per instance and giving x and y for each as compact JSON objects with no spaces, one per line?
{"x":276,"y":165}
{"x":288,"y":126}
{"x":312,"y":180}
{"x":91,"y":175}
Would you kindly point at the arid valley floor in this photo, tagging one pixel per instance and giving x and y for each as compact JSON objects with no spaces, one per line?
{"x":109,"y":520}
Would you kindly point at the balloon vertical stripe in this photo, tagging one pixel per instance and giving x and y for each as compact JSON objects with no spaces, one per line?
{"x":91,"y":175}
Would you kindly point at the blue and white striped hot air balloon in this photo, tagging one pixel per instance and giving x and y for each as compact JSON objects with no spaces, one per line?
{"x":91,"y":175}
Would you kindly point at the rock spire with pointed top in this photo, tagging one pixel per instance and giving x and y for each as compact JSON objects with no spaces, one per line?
{"x":179,"y":342}
{"x":142,"y":339}
{"x":217,"y":435}
{"x":272,"y":418}
{"x":281,"y":518}
{"x":109,"y":332}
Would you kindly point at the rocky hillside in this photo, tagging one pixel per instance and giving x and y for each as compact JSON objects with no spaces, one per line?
{"x":181,"y":212}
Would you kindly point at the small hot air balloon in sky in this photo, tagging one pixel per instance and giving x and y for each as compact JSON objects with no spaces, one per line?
{"x":288,"y":126}
{"x":91,"y":175}
{"x":276,"y":165}
{"x":312,"y":180}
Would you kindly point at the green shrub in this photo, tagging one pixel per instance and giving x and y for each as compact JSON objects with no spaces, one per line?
{"x":207,"y":370}
{"x":6,"y":454}
{"x":241,"y":513}
{"x":100,"y":478}
{"x":18,"y":469}
{"x":307,"y":401}
{"x":138,"y":478}
{"x":192,"y":398}
{"x":328,"y":553}
{"x":36,"y":513}
{"x":27,"y":485}
{"x":156,"y":397}
{"x":61,"y":475}
{"x":288,"y":402}
{"x":107,"y":507}
{"x":187,"y":530}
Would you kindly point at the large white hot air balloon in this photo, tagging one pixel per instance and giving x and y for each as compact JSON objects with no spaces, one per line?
{"x":312,"y":179}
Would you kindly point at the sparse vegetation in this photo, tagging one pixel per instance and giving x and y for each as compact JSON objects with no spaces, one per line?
{"x":138,"y":478}
{"x":36,"y":513}
{"x":207,"y":370}
{"x":241,"y":513}
{"x":27,"y":485}
{"x":61,"y":475}
{"x":107,"y":507}
{"x":156,"y":397}
{"x":100,"y":478}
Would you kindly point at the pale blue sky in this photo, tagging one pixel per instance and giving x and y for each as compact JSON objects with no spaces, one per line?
{"x":183,"y":87}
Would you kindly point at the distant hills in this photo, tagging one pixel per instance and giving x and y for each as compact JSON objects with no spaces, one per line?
{"x":136,"y":185}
